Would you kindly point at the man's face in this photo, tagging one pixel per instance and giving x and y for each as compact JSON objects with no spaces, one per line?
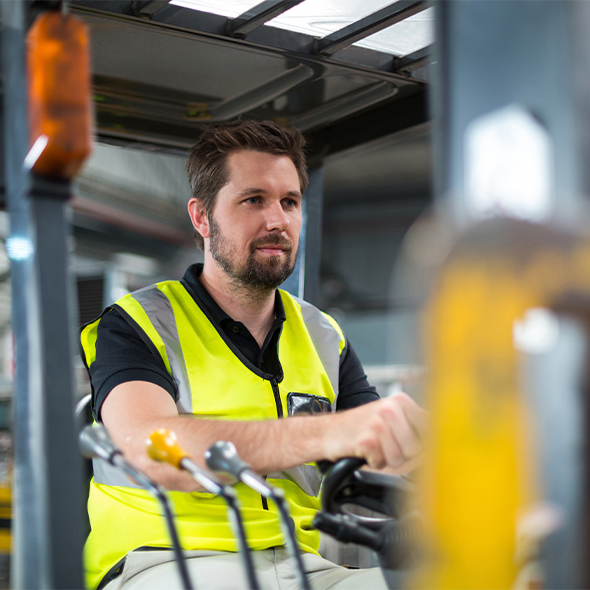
{"x":254,"y":227}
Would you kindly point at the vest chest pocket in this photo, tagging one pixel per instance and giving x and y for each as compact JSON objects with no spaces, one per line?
{"x":307,"y":403}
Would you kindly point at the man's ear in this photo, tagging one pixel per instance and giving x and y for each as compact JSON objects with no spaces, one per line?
{"x":198,"y":217}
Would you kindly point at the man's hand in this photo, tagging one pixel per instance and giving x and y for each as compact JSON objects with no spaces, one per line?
{"x":387,"y":433}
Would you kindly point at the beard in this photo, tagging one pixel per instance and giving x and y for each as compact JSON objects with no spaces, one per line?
{"x":259,"y":275}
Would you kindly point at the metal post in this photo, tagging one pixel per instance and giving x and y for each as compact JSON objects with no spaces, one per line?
{"x":48,"y":486}
{"x":304,"y":282}
{"x":26,"y":564}
{"x":26,"y":520}
{"x":59,"y":449}
{"x":313,"y":235}
{"x":491,"y":56}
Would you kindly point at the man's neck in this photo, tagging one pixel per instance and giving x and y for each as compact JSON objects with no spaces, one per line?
{"x":251,"y":307}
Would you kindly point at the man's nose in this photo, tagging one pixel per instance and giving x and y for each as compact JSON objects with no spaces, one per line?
{"x":276,"y":217}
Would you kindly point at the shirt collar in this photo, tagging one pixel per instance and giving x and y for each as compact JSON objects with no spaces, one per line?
{"x":191,"y":276}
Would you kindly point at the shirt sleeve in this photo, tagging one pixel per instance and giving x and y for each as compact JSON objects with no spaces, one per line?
{"x":353,"y":387}
{"x":122,"y":356}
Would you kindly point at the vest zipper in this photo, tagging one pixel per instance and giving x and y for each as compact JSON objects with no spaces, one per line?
{"x":275,"y":390}
{"x":264,"y":499}
{"x":276,"y":393}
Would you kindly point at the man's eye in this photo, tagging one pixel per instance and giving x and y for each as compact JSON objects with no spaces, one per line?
{"x":253,"y":200}
{"x":290,"y":203}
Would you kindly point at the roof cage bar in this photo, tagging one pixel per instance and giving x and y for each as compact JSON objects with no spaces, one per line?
{"x":256,"y":97}
{"x":372,"y":23}
{"x":257,"y":16}
{"x":344,"y":105}
{"x":413,"y":61}
{"x":150,"y":8}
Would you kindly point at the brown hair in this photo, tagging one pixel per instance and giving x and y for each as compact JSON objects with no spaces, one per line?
{"x":207,"y":162}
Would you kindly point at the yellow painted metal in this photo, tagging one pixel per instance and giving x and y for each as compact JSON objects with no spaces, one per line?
{"x":480,"y":471}
{"x":6,"y":515}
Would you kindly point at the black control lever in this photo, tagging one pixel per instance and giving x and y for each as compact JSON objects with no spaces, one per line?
{"x":222,"y":456}
{"x":95,"y":443}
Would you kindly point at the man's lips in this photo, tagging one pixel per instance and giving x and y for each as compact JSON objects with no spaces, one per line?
{"x":272,"y":250}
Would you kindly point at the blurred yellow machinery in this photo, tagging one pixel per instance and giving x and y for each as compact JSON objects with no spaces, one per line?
{"x":5,"y":518}
{"x":481,"y":476}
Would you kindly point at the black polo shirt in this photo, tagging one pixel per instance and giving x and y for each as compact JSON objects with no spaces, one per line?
{"x":122,"y":355}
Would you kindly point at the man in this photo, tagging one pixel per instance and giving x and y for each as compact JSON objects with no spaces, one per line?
{"x":219,"y":356}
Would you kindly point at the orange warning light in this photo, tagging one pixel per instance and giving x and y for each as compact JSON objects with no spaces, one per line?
{"x":59,"y":95}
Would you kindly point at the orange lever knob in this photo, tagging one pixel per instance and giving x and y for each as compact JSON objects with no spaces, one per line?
{"x":162,"y":445}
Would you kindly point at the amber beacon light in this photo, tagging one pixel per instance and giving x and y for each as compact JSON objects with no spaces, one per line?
{"x":58,"y":70}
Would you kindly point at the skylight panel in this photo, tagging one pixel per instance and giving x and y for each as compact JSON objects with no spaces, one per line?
{"x":229,"y":8}
{"x":405,"y":37}
{"x":322,"y":17}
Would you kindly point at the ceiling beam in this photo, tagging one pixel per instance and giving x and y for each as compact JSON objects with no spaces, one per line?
{"x":413,"y":61}
{"x":150,"y":8}
{"x":257,"y":16}
{"x":135,"y":222}
{"x":373,"y":23}
{"x":393,"y":117}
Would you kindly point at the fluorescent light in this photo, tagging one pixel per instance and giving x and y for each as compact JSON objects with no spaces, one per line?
{"x":19,"y":248}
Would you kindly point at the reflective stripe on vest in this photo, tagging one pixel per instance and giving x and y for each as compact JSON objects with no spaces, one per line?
{"x":159,"y":309}
{"x":327,"y":338}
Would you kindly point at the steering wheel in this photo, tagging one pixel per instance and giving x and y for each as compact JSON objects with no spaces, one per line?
{"x":346,"y":483}
{"x":389,"y":536}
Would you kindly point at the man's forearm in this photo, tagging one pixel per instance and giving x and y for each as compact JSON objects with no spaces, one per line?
{"x":134,"y":410}
{"x":386,"y":432}
{"x":268,"y":446}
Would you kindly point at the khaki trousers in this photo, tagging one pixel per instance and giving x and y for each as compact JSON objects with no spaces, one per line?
{"x":214,"y":570}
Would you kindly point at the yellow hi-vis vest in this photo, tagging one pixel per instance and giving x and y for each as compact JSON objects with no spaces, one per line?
{"x":213,"y":381}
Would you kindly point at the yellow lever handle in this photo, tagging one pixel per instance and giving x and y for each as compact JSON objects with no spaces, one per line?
{"x":162,"y":445}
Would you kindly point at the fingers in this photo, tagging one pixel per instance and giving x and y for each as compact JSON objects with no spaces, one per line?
{"x":377,"y":445}
{"x":393,"y":433}
{"x":402,"y":427}
{"x":417,"y":416}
